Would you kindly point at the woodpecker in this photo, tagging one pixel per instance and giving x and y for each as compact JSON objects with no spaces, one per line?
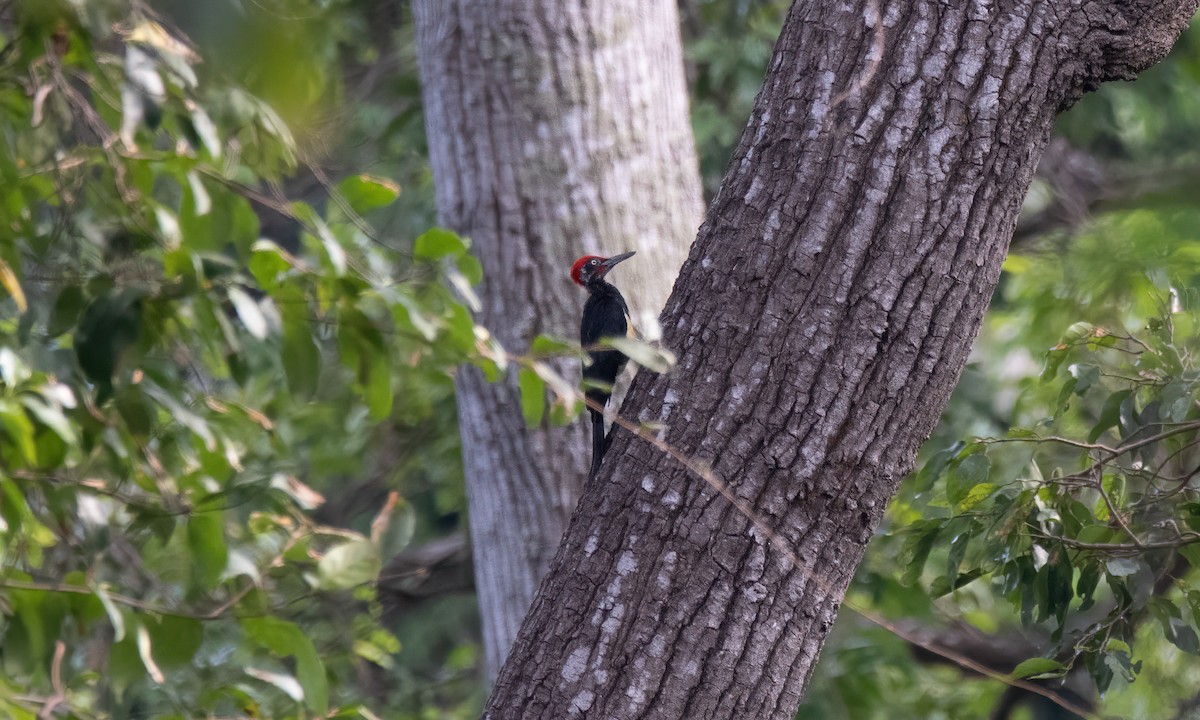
{"x":605,"y":314}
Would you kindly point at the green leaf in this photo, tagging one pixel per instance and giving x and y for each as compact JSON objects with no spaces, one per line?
{"x":145,"y":648}
{"x":168,"y":227}
{"x":533,"y":396}
{"x":1110,"y":414}
{"x":1078,"y":331}
{"x":135,"y":410}
{"x":1100,"y":670}
{"x":17,"y":712}
{"x":114,"y":613}
{"x":133,"y":110}
{"x":13,"y":370}
{"x":1101,"y":339}
{"x":243,"y":223}
{"x":379,"y":393}
{"x":201,"y":200}
{"x":267,"y":262}
{"x":373,"y":653}
{"x":962,"y":479}
{"x":1017,"y":264}
{"x":1181,"y":635}
{"x":935,"y":466}
{"x":9,"y":281}
{"x":408,"y":309}
{"x":1122,"y":566}
{"x":108,"y":327}
{"x":1129,"y":420}
{"x":52,"y":417}
{"x":1177,"y":401}
{"x":1118,"y":645}
{"x":463,"y":287}
{"x":19,"y":430}
{"x":286,"y":639}
{"x":207,"y":131}
{"x":1191,"y":552}
{"x":978,"y":494}
{"x":301,"y":362}
{"x":1094,"y":533}
{"x":348,"y":565}
{"x":368,"y":192}
{"x":250,"y":313}
{"x":338,"y":260}
{"x":1054,"y":359}
{"x":124,"y":665}
{"x":471,"y":268}
{"x":66,"y":310}
{"x":1085,"y":376}
{"x":206,"y":542}
{"x":1085,"y":587}
{"x":544,"y":346}
{"x":439,"y":243}
{"x":958,"y":548}
{"x":34,"y":626}
{"x":917,"y":547}
{"x":1059,"y":580}
{"x":654,"y":359}
{"x":286,"y":683}
{"x":1114,"y":485}
{"x":182,"y":415}
{"x":176,"y":640}
{"x":1019,"y":433}
{"x":1039,"y":668}
{"x":459,"y":329}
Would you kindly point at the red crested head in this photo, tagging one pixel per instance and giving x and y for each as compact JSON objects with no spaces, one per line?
{"x":591,"y":267}
{"x":577,"y":268}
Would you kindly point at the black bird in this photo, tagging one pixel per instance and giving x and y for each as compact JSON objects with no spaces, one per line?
{"x":605,"y":314}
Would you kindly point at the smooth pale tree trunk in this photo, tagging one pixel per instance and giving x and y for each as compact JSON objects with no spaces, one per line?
{"x":821,"y":320}
{"x":556,"y":128}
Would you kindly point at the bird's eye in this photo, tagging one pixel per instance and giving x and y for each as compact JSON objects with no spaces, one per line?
{"x":593,"y":263}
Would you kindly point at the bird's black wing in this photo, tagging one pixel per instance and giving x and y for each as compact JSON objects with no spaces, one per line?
{"x":604,"y":315}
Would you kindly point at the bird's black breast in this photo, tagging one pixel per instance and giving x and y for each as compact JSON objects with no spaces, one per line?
{"x":604,"y":315}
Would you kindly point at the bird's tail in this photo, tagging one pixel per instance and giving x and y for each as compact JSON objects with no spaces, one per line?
{"x":598,"y":444}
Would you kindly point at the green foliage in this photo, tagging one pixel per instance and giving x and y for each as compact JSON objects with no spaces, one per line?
{"x":727,"y":49}
{"x":1073,"y":512}
{"x":201,"y":332}
{"x":869,"y":674}
{"x":1088,"y":515}
{"x":176,"y":377}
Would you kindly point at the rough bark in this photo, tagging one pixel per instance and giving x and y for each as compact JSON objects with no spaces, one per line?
{"x":821,"y":320}
{"x":556,"y":127}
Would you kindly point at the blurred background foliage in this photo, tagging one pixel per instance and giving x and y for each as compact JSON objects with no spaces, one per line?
{"x":230,"y":481}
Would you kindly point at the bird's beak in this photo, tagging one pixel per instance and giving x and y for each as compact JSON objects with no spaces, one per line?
{"x":610,"y":263}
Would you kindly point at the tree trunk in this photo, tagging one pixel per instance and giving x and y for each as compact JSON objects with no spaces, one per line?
{"x":821,"y":321}
{"x":556,"y":128}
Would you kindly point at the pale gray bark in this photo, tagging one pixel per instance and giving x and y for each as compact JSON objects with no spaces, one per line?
{"x":556,"y":128}
{"x":821,"y":320}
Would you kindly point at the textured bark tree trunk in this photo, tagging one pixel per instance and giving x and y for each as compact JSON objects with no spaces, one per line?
{"x":556,"y":127}
{"x":821,"y":321}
